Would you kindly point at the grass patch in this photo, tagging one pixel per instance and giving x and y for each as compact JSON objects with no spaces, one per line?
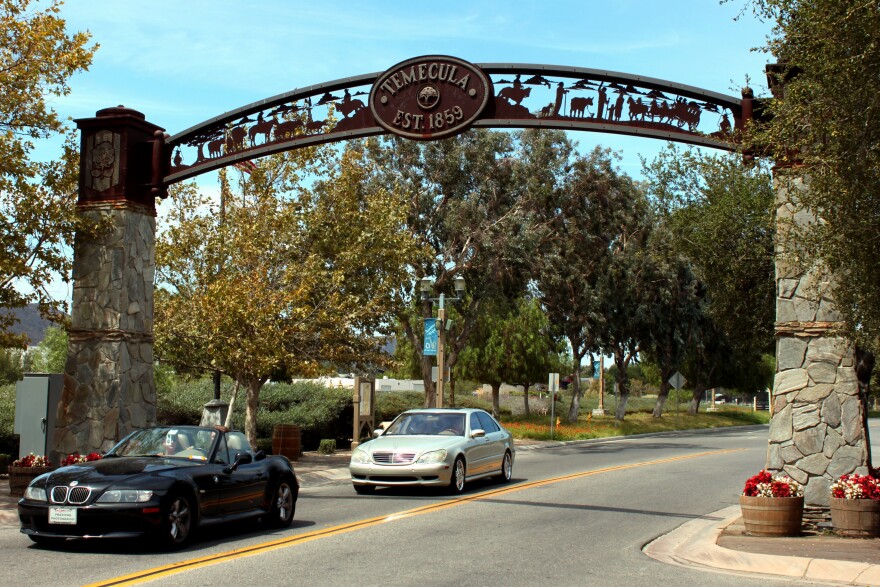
{"x":589,"y":426}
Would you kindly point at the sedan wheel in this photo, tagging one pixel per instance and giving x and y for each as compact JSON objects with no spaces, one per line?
{"x":282,"y":507}
{"x":506,"y":469}
{"x":456,"y":484}
{"x":177,"y":525}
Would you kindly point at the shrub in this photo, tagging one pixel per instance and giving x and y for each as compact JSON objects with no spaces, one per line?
{"x":327,"y":446}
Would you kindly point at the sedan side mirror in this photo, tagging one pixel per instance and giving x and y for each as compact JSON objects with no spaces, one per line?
{"x":478,"y":433}
{"x":378,"y":432}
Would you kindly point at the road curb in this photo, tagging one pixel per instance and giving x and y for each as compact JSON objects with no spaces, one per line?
{"x":694,"y":545}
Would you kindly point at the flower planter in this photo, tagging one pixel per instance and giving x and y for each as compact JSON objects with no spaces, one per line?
{"x":858,"y":518}
{"x":772,"y":516}
{"x":21,"y":477}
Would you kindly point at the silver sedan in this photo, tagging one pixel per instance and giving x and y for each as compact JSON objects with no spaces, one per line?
{"x":439,"y":447}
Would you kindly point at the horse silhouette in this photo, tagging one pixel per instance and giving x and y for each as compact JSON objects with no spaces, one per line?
{"x":349,"y":107}
{"x":580,"y":107}
{"x":514,"y":95}
{"x":262,"y":128}
{"x":637,"y":110}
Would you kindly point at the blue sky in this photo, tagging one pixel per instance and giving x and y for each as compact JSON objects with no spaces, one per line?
{"x":183,"y":62}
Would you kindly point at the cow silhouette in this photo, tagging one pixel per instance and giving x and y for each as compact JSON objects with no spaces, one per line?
{"x":580,"y":107}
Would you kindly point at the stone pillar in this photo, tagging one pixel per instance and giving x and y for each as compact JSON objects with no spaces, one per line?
{"x":816,"y":431}
{"x":108,"y":381}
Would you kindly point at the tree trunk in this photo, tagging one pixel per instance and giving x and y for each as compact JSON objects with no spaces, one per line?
{"x":526,"y":399}
{"x":235,"y":388}
{"x":665,"y":386}
{"x":622,"y":384}
{"x":496,"y":394}
{"x":252,"y":403}
{"x":430,"y":389}
{"x":864,"y":368}
{"x":699,"y":388}
{"x":574,"y":409}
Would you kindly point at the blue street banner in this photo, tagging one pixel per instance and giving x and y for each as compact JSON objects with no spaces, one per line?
{"x":595,"y":369}
{"x":430,"y":348}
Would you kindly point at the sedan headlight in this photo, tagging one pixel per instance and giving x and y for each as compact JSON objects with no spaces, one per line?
{"x":125,"y":496}
{"x":360,"y":456}
{"x":35,"y":493}
{"x":436,"y":456}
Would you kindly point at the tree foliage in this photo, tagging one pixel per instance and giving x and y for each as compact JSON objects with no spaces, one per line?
{"x":719,"y":214}
{"x":284,"y":278}
{"x":37,"y":198}
{"x":824,"y":126}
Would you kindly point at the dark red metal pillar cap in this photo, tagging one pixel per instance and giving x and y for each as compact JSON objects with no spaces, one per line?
{"x":120,"y":111}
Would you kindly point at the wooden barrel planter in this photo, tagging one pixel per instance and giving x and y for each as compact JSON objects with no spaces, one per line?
{"x":772,"y":516}
{"x":21,"y":477}
{"x":286,"y":440}
{"x":857,"y":518}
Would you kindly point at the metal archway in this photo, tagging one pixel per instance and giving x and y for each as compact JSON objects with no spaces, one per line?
{"x":527,"y":96}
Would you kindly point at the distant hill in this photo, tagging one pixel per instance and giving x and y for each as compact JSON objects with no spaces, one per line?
{"x":29,"y":322}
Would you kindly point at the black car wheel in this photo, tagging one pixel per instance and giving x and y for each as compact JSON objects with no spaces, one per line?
{"x":456,"y":484}
{"x":282,"y":506}
{"x":506,"y":469}
{"x":364,"y":489}
{"x":177,"y":524}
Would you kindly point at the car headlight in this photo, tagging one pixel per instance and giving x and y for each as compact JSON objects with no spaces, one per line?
{"x":125,"y":496}
{"x":360,"y":456}
{"x":35,"y":493}
{"x":436,"y":456}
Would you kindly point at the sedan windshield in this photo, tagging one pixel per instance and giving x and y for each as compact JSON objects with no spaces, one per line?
{"x":186,"y":442}
{"x":427,"y":423}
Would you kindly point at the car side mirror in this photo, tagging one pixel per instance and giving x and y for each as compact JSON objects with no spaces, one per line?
{"x":261,"y":454}
{"x":242,"y":458}
{"x":478,"y":433}
{"x":378,"y":432}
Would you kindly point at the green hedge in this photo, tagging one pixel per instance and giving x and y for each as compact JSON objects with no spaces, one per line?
{"x":321,"y":412}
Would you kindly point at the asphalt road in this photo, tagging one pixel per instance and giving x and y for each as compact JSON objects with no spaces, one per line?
{"x":573,"y":515}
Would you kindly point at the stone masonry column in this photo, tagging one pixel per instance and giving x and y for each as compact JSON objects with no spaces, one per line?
{"x":108,"y":379}
{"x":816,"y":432}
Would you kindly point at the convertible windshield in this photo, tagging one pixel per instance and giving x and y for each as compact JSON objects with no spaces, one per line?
{"x":186,"y":442}
{"x":427,"y":423}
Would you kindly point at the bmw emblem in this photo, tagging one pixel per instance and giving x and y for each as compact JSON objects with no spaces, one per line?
{"x":74,"y":483}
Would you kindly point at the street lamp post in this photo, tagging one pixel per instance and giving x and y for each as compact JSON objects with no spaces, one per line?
{"x":427,"y":286}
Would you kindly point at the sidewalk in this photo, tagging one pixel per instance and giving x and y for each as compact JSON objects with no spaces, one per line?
{"x":714,"y":543}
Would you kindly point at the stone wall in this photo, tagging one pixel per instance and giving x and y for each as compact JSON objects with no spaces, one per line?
{"x":108,"y":380}
{"x":816,"y":432}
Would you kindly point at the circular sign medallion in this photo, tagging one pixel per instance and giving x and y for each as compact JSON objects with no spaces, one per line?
{"x":429,"y":98}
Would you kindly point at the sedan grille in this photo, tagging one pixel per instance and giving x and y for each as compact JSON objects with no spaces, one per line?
{"x":393,"y":458}
{"x":71,"y":495}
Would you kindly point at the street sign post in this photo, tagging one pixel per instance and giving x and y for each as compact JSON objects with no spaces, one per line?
{"x":553,"y":387}
{"x":677,"y":380}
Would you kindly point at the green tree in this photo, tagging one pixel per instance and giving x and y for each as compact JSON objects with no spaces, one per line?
{"x":582,"y":220}
{"x":464,"y":211}
{"x":717,"y":213}
{"x":37,"y":198}
{"x":511,"y":344}
{"x":286,"y":278}
{"x":51,"y":353}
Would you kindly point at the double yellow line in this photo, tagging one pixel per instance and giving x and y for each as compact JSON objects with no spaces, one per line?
{"x":187,"y":565}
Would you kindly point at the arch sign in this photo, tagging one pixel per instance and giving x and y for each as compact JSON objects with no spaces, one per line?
{"x":437,"y":96}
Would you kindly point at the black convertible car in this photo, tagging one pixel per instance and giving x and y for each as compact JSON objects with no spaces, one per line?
{"x":162,"y":482}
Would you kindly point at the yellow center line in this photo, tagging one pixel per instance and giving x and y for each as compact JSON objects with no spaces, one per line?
{"x":187,"y":565}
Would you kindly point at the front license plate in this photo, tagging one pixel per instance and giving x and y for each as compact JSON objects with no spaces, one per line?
{"x":62,"y":516}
